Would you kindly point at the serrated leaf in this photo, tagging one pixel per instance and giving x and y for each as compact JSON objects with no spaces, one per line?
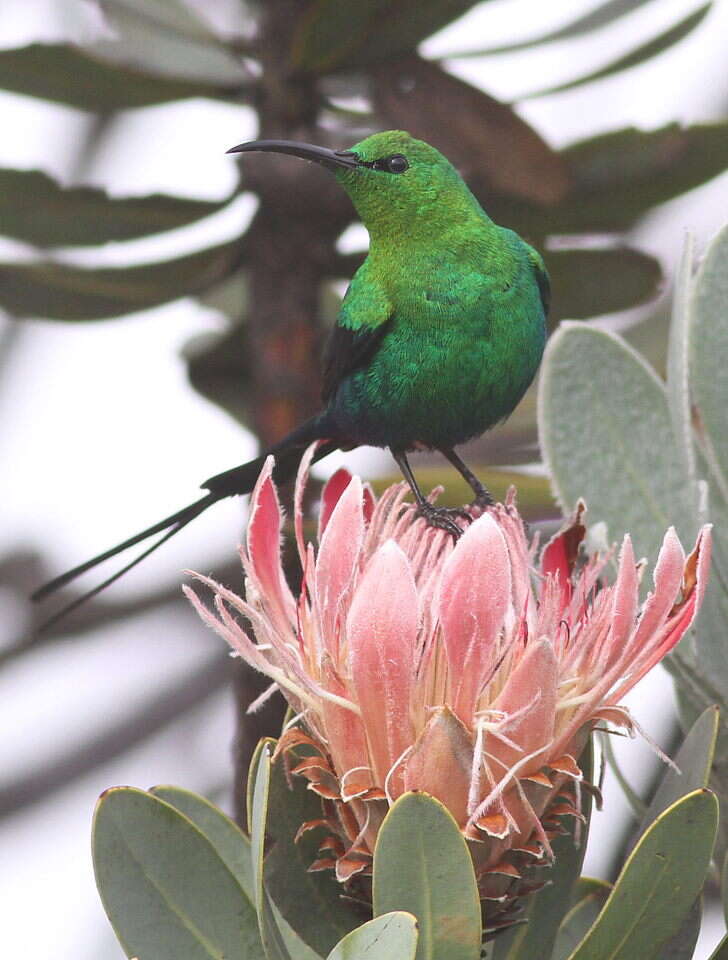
{"x":332,"y":35}
{"x":546,"y":908}
{"x":270,"y":935}
{"x":598,"y":17}
{"x":607,"y":437}
{"x":694,"y":760}
{"x":165,"y":890}
{"x":493,"y":148}
{"x":67,"y":74}
{"x":579,"y":920}
{"x":61,"y":291}
{"x":658,"y":884}
{"x":311,"y":903}
{"x":422,"y":865}
{"x":618,"y":176}
{"x":392,"y":936}
{"x":640,"y":54}
{"x":34,"y":208}
{"x":592,"y":282}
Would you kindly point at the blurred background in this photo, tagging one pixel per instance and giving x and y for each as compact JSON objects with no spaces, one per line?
{"x":162,"y":309}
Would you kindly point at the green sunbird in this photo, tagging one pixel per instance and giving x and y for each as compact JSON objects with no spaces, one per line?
{"x":438,"y":337}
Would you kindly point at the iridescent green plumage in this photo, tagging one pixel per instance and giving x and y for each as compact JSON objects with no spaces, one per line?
{"x":454,"y":302}
{"x":439,"y":335}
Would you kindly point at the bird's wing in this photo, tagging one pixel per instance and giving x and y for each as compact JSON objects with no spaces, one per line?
{"x":542,"y":278}
{"x":363,"y":320}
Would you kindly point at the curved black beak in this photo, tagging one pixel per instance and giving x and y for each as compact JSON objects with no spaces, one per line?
{"x":332,"y":159}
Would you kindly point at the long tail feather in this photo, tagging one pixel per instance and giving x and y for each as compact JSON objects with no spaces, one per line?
{"x":70,"y":607}
{"x":176,"y":521}
{"x":238,"y":481}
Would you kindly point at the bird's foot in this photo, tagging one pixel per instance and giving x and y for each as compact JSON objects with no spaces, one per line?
{"x":443,"y":518}
{"x":481,"y":503}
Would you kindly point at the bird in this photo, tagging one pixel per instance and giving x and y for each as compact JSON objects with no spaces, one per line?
{"x":439,"y":334}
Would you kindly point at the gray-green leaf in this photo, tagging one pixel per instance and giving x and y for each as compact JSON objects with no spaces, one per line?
{"x":61,"y":291}
{"x":34,"y":208}
{"x":392,"y":936}
{"x":422,"y":865}
{"x":67,"y":74}
{"x":606,"y":436}
{"x":658,"y":885}
{"x":166,"y":891}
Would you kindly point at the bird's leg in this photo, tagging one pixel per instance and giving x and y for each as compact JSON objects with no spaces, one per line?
{"x":483,"y":499}
{"x":440,"y":517}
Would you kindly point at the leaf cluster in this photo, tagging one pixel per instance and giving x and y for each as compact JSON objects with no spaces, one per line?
{"x":178,"y":878}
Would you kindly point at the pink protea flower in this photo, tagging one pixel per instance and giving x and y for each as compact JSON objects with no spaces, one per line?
{"x":460,"y":669}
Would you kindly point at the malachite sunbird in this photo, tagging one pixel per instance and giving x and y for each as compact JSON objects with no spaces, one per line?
{"x":439,"y":334}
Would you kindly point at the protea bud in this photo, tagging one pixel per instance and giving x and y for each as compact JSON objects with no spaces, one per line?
{"x":461,"y":669}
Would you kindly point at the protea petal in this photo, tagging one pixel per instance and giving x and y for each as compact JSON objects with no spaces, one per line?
{"x":382,"y":635}
{"x":560,"y":553}
{"x":529,"y":698}
{"x":338,"y":557}
{"x":624,"y":606}
{"x":441,"y":762}
{"x":264,"y":546}
{"x":332,"y":491}
{"x":472,"y":601}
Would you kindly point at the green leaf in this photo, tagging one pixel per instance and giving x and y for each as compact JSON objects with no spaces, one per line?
{"x":170,"y":43}
{"x":392,"y":936}
{"x":165,"y":890}
{"x":694,"y":760}
{"x":681,"y":946}
{"x":311,"y":903}
{"x":645,"y":51}
{"x":332,"y":35}
{"x":598,"y":17}
{"x":545,"y":909}
{"x":270,"y":935}
{"x":606,"y":436}
{"x":69,"y":75}
{"x":491,"y":145}
{"x":617,"y":176}
{"x":35,"y":209}
{"x":232,"y":846}
{"x":592,"y":282}
{"x":678,"y":387}
{"x":579,"y":920}
{"x":61,"y":291}
{"x":708,"y":343}
{"x":422,"y":865}
{"x":658,"y":884}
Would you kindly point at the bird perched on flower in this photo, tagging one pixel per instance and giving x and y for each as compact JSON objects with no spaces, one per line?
{"x":463,"y":669}
{"x":439,"y":335}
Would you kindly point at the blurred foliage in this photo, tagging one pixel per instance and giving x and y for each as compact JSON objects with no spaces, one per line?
{"x":299,"y":65}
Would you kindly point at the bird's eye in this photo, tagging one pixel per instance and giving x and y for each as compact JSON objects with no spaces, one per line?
{"x":394,"y":164}
{"x":397,"y":163}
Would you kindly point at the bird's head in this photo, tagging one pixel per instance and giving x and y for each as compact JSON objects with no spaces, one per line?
{"x":395,"y":181}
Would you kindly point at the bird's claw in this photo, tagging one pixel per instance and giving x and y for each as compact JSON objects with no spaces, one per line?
{"x":442,"y":517}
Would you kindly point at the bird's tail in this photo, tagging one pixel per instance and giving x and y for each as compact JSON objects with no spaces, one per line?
{"x":237,"y":481}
